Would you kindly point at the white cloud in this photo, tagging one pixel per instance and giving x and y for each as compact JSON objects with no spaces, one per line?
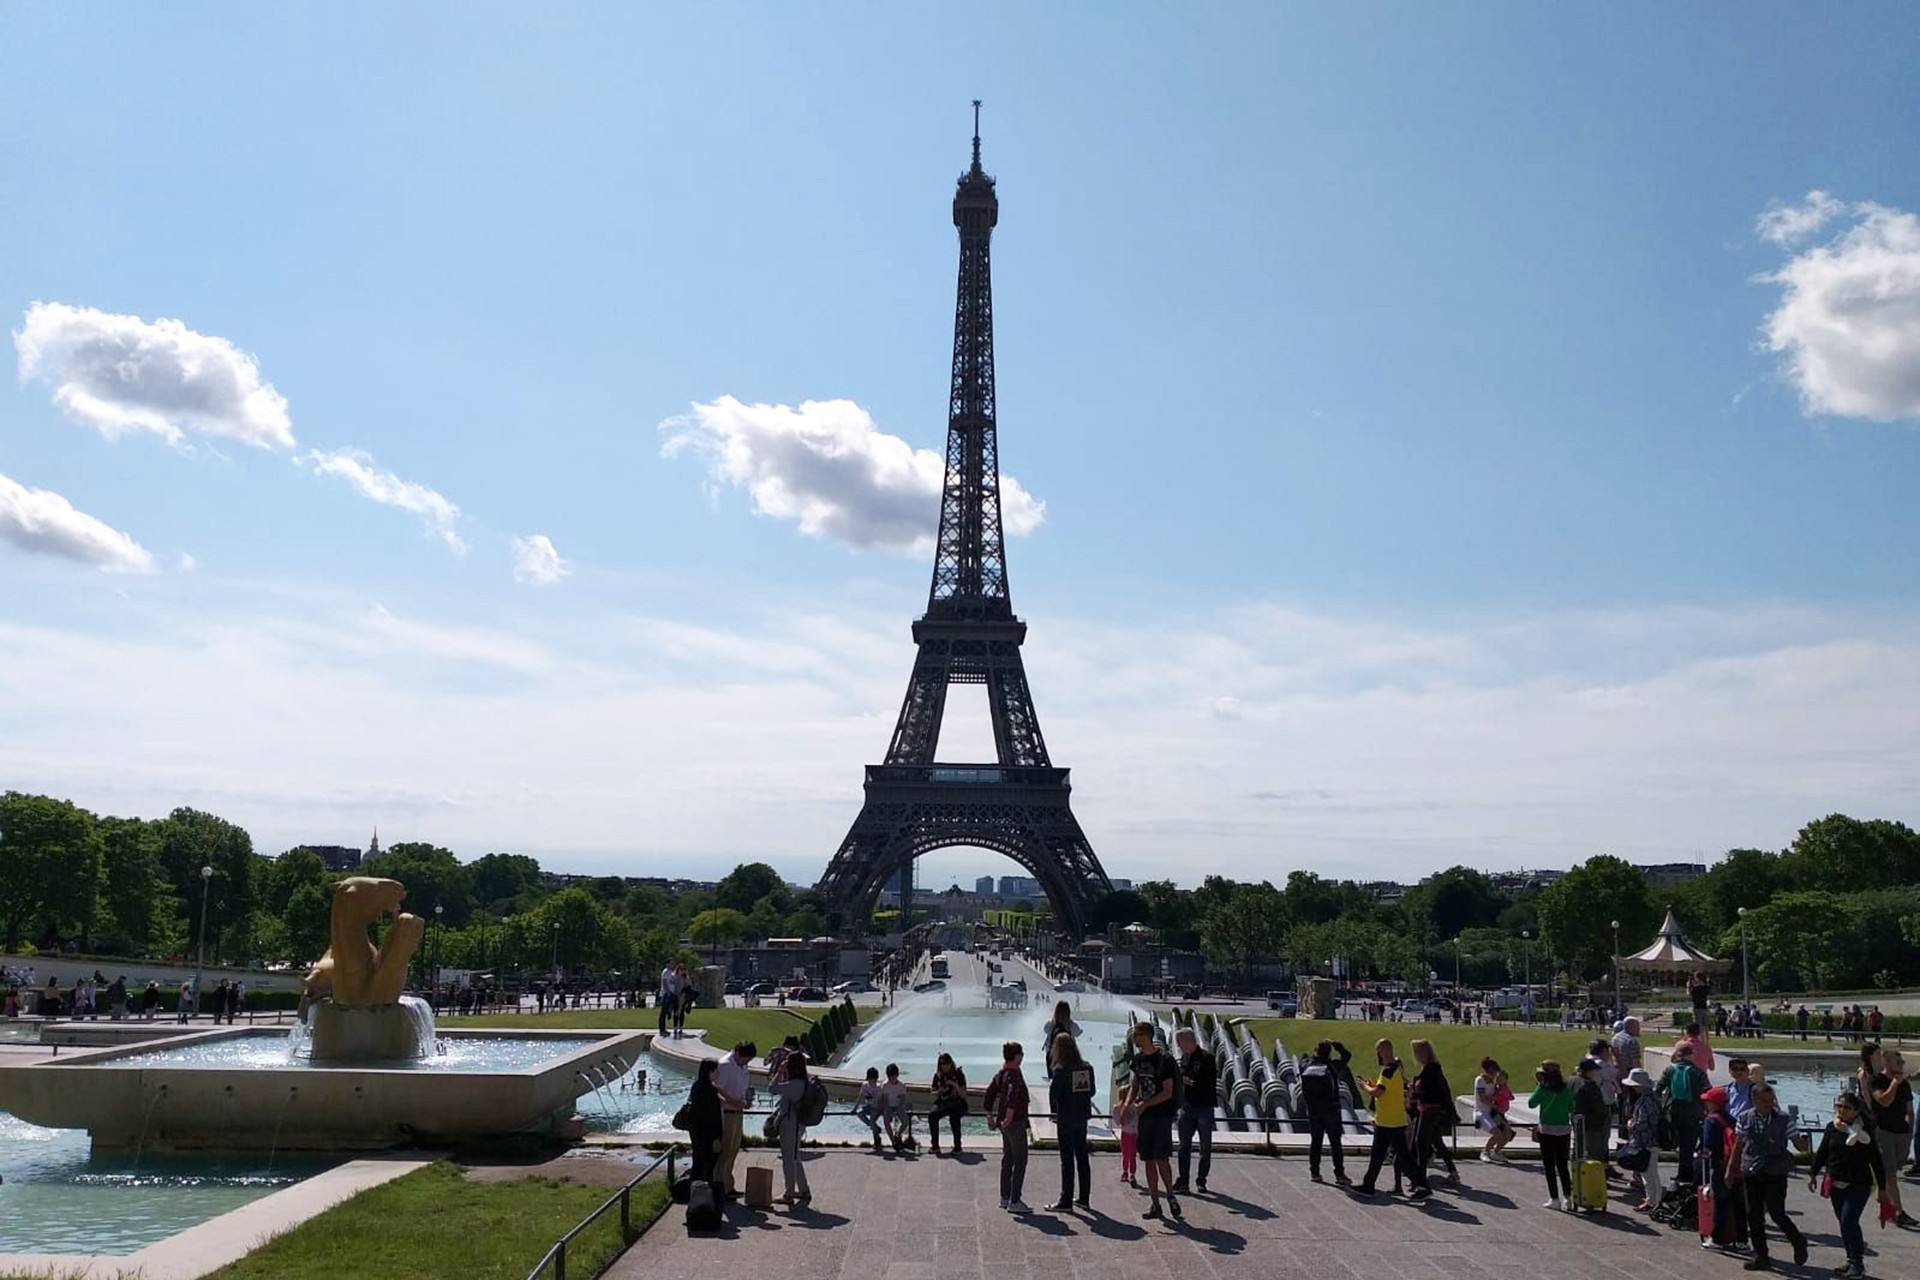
{"x":118,"y":373}
{"x":1848,"y":322}
{"x":1788,"y":224}
{"x":43,"y":522}
{"x":536,"y":562}
{"x":1661,"y":735}
{"x":357,"y":468}
{"x":827,"y":466}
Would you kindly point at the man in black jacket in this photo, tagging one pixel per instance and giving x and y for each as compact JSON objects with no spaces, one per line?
{"x":1200,"y":1084}
{"x":1320,"y":1096}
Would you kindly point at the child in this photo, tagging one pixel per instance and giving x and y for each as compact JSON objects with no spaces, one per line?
{"x":1127,"y":1118}
{"x":893,"y":1102}
{"x":1490,"y":1112}
{"x":869,"y":1104}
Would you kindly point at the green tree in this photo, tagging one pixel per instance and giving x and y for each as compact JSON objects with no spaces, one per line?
{"x":716,"y":925}
{"x":1455,"y":899}
{"x":743,"y":887}
{"x":1312,"y":899}
{"x":1244,"y":927}
{"x":1837,"y":854}
{"x":1172,"y":913}
{"x":499,"y":882}
{"x":292,"y":869}
{"x":190,"y":840}
{"x":135,"y":898}
{"x":1577,"y":911}
{"x":1121,"y":906}
{"x":433,"y":877}
{"x":50,"y":854}
{"x":304,"y":922}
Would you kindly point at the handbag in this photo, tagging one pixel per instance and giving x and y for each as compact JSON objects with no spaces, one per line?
{"x":683,"y":1118}
{"x":770,"y":1129}
{"x":1826,"y":1186}
{"x":1635,"y":1160}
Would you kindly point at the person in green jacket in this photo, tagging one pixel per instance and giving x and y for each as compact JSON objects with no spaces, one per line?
{"x":1552,"y":1101}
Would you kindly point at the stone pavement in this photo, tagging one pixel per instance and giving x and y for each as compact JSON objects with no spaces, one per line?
{"x":882,"y":1218}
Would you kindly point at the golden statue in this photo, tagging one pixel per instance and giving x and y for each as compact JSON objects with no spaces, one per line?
{"x":354,"y":971}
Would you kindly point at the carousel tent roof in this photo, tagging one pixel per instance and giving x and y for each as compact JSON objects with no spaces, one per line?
{"x":1671,"y":950}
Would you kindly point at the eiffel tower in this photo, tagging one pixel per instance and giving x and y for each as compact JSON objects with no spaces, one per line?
{"x":1019,"y":805}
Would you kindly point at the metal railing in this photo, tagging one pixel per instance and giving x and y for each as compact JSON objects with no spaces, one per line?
{"x":556,"y":1257}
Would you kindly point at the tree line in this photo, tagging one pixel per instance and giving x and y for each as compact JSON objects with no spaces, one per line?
{"x":1837,"y":909}
{"x":111,"y":886}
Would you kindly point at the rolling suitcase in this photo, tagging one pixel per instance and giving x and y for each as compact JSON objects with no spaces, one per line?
{"x":1589,"y":1176}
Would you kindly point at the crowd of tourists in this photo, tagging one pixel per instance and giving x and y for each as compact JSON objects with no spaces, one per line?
{"x":1676,"y":1147}
{"x":86,"y":999}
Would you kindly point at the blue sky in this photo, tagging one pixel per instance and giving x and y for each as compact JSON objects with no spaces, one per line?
{"x":1421,"y":479}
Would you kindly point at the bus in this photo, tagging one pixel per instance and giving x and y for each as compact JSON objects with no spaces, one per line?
{"x":939,"y":966}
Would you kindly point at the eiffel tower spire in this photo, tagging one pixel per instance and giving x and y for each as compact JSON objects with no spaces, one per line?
{"x":1019,"y":804}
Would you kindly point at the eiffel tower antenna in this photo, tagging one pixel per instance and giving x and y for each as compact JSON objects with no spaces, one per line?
{"x":1019,"y":803}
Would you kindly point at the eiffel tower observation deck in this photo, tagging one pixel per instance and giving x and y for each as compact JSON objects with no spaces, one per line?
{"x":1018,"y":804}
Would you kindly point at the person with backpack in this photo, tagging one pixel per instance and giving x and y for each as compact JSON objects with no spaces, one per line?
{"x":704,"y":1123}
{"x":1728,"y":1228}
{"x":1763,"y":1152}
{"x":1641,"y":1152}
{"x":1070,"y":1096}
{"x":1888,"y":1101}
{"x":1389,"y":1093}
{"x":1590,"y":1105}
{"x":790,"y":1095}
{"x":1431,"y":1100}
{"x":1320,"y":1097}
{"x":1008,"y":1108}
{"x":1681,"y":1085}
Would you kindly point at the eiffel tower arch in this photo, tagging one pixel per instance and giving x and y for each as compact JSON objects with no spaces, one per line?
{"x":1018,"y":804}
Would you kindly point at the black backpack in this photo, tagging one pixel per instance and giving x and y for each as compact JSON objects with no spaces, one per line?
{"x":1319,"y":1092}
{"x":703,"y":1208}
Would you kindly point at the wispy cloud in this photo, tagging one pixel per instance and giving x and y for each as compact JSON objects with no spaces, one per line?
{"x":830,"y":469}
{"x":1336,"y":743}
{"x":44,"y":523}
{"x":1788,"y":224}
{"x":370,"y":481}
{"x":1848,"y":322}
{"x":119,"y":373}
{"x":536,"y":562}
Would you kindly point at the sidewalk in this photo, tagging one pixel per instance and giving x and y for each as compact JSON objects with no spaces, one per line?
{"x":881,"y":1218}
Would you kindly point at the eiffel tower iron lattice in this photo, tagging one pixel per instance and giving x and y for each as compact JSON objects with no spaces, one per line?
{"x":1018,"y":805}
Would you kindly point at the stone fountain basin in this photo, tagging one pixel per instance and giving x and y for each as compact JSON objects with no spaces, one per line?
{"x":310,"y":1107}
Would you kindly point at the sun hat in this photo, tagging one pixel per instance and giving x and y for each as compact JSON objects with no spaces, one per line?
{"x":1638,"y":1078}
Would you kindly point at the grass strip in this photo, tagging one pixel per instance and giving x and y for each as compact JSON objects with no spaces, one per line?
{"x":436,"y":1224}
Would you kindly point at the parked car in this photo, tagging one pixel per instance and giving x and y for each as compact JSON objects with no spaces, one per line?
{"x":1071,"y":984}
{"x":805,"y":993}
{"x":851,"y":987}
{"x":1283,"y":1003}
{"x":735,"y":987}
{"x":762,"y":989}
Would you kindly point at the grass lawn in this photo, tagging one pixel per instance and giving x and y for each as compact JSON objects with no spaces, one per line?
{"x":436,"y":1223}
{"x":1518,"y":1049}
{"x":765,"y":1027}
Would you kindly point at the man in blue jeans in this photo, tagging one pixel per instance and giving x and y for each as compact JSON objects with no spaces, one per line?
{"x":1200,"y":1082}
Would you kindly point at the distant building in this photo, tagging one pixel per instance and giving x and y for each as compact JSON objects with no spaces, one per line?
{"x":1383,"y":890}
{"x":1670,"y":872}
{"x":984,"y":886}
{"x":1522,"y":881}
{"x":1019,"y":887}
{"x":337,"y":857}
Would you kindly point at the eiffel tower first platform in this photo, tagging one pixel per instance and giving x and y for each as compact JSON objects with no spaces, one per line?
{"x":1018,"y":805}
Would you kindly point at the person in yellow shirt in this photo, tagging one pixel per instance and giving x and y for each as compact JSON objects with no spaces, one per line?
{"x":1389,"y":1093}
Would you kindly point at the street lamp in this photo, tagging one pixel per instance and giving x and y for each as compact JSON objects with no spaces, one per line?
{"x":1616,"y":968}
{"x":1746,"y":982}
{"x":1456,"y":970}
{"x":1526,"y":942}
{"x":439,"y":909}
{"x":200,"y":951}
{"x":556,"y":950}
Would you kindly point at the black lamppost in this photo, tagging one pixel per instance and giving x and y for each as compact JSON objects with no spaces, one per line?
{"x":556,"y":951}
{"x":439,"y":940}
{"x":1616,"y":968}
{"x":200,"y":951}
{"x":1746,"y":978}
{"x":1526,"y":942}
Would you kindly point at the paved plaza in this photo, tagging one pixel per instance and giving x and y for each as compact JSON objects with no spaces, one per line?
{"x":882,"y":1218}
